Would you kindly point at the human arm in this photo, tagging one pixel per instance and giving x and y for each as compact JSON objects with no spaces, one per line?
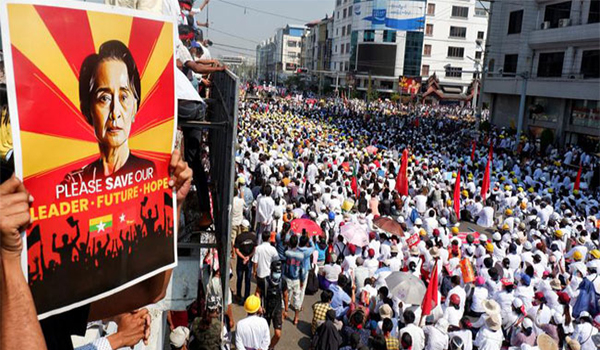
{"x":19,"y":327}
{"x":202,"y":68}
{"x":285,"y":303}
{"x":153,"y":289}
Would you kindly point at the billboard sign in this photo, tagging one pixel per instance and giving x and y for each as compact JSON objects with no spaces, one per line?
{"x":399,"y":15}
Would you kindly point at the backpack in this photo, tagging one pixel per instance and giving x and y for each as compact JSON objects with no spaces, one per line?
{"x":312,"y":283}
{"x":587,"y":299}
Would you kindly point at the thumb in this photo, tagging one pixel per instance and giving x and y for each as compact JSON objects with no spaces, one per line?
{"x":10,"y":186}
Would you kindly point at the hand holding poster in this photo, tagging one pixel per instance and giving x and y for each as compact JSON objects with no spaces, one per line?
{"x":91,"y":93}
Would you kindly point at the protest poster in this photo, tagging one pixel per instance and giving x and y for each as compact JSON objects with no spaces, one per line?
{"x":413,"y":240}
{"x":92,"y":98}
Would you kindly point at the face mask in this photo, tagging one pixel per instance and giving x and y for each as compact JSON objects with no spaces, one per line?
{"x":276,"y":275}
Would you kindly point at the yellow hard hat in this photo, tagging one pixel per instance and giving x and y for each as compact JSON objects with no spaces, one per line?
{"x":520,"y":189}
{"x":595,"y":253}
{"x":423,"y":233}
{"x":470,"y":176}
{"x":252,"y":304}
{"x":577,"y":255}
{"x":558,"y":233}
{"x":523,"y":205}
{"x":449,"y":202}
{"x":507,"y":188}
{"x":454,"y":230}
{"x":465,"y":193}
{"x":505,"y":227}
{"x":508,"y":212}
{"x":489,"y":247}
{"x":530,"y":190}
{"x":512,"y":172}
{"x":453,"y":175}
{"x":515,"y":180}
{"x":575,"y":192}
{"x":502,"y":178}
{"x":550,"y":190}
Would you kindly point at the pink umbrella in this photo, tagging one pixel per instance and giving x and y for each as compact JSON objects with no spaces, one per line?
{"x":355,"y":234}
{"x":371,"y":149}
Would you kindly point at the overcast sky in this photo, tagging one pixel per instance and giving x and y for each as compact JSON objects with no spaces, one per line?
{"x":253,"y":25}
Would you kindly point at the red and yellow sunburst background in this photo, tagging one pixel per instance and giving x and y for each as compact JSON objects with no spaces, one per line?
{"x":48,"y":46}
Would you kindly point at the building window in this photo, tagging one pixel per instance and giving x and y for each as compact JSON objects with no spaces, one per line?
{"x":585,"y":113}
{"x":431,"y":9}
{"x":348,"y":29}
{"x":594,"y":15}
{"x":350,"y":11}
{"x":510,"y":64}
{"x":336,"y":48}
{"x":338,"y":15}
{"x":590,"y":64}
{"x":342,"y":48}
{"x":389,"y":36}
{"x":337,"y":31}
{"x":427,"y":50}
{"x":480,"y":35}
{"x":454,"y":72}
{"x":550,"y":64}
{"x":338,"y":3}
{"x":425,"y":70}
{"x":413,"y":52}
{"x":429,"y":29}
{"x":456,"y":52}
{"x":369,"y":36}
{"x":292,"y":43}
{"x":515,"y":21}
{"x":459,"y":11}
{"x":344,"y":13}
{"x":555,"y":12}
{"x":348,"y":48}
{"x":478,"y":55}
{"x":343,"y":31}
{"x":458,"y":32}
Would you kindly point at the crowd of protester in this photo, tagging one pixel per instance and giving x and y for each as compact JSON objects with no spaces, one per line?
{"x":512,"y":266}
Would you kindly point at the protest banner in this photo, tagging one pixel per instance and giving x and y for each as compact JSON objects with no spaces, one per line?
{"x":92,"y":98}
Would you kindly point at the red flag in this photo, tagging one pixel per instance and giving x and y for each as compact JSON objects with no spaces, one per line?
{"x":457,"y":195}
{"x":473,"y":150}
{"x":491,"y":155}
{"x":578,"y":179}
{"x":354,"y":184}
{"x":417,"y":122}
{"x":401,"y":179}
{"x":485,"y":185}
{"x":430,"y":300}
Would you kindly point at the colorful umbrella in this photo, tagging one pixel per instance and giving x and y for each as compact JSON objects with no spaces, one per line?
{"x":310,"y":226}
{"x":371,"y":149}
{"x":407,"y":287}
{"x":355,"y":234}
{"x":389,"y":226}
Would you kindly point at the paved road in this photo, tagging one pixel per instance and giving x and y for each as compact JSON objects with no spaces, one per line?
{"x":298,"y":337}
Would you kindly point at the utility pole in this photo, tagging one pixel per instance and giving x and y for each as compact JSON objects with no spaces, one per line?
{"x":525,"y":76}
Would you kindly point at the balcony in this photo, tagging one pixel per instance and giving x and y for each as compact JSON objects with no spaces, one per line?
{"x":567,"y":35}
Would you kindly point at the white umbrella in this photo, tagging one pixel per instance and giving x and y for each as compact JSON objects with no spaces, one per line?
{"x":355,"y":234}
{"x":407,"y":287}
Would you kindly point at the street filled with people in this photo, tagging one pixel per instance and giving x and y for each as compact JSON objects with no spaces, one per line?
{"x":415,"y":226}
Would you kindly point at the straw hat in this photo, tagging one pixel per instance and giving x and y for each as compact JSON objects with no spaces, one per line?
{"x":414,"y":251}
{"x":555,"y":284}
{"x":546,"y":343}
{"x":491,"y":307}
{"x":494,"y":322}
{"x":435,"y":252}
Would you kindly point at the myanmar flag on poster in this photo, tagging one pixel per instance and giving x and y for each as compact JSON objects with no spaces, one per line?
{"x":100,"y":224}
{"x":87,"y":81}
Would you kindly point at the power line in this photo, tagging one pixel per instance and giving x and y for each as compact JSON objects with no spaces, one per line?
{"x":234,"y":47}
{"x":234,"y":36}
{"x":264,"y":12}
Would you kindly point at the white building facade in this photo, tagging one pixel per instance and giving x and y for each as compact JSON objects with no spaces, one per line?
{"x":551,"y":50}
{"x":341,"y":35}
{"x":455,"y":33}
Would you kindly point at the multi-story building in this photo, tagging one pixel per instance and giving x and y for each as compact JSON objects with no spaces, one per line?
{"x":386,"y":42}
{"x":453,"y":46}
{"x":341,"y":35}
{"x":318,"y":45}
{"x":550,"y":51}
{"x":279,"y":56}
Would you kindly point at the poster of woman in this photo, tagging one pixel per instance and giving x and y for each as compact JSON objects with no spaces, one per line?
{"x":91,"y":94}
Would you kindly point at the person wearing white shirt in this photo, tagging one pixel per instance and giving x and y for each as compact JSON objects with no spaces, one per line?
{"x":265,"y":206}
{"x":486,"y":217}
{"x":252,"y":332}
{"x":264,"y":254}
{"x":416,"y":333}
